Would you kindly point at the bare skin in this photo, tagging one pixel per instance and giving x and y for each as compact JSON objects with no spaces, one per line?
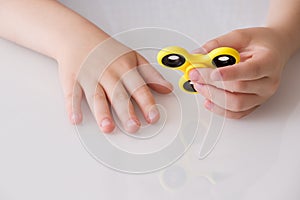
{"x":264,"y":53}
{"x":50,"y":28}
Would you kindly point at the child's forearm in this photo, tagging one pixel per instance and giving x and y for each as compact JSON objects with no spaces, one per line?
{"x":48,"y":27}
{"x":284,"y":16}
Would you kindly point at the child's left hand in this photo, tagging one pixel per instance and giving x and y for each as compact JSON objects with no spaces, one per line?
{"x":111,"y":75}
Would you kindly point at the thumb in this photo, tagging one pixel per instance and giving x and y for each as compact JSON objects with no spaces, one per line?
{"x":234,"y":39}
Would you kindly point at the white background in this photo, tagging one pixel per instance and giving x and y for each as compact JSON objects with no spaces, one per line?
{"x":42,"y":157}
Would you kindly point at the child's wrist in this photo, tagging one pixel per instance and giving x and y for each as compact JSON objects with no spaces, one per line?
{"x":75,"y":49}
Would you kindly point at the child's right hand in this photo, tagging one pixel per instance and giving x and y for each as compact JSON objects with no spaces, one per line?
{"x":251,"y":82}
{"x":112,"y":74}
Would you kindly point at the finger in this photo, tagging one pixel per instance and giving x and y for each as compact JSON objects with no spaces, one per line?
{"x":235,"y":102}
{"x":101,"y":110}
{"x":152,"y":77}
{"x":146,"y":102}
{"x":263,"y":87}
{"x":201,"y":75}
{"x":98,"y":103}
{"x":140,"y":92}
{"x":227,"y":113}
{"x":199,"y":51}
{"x":235,"y":39}
{"x":73,"y":96}
{"x":254,"y":68}
{"x":120,"y":100}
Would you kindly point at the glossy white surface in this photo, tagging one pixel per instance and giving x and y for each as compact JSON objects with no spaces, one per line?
{"x":42,"y":156}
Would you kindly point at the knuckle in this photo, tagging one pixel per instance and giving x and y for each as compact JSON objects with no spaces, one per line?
{"x":144,"y":97}
{"x":239,"y":34}
{"x":240,"y":86}
{"x":143,"y":92}
{"x":126,"y":61}
{"x":120,"y":96}
{"x":99,"y":95}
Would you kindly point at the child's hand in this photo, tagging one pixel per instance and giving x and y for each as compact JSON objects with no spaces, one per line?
{"x":58,"y":32}
{"x":113,"y":74}
{"x":251,"y":82}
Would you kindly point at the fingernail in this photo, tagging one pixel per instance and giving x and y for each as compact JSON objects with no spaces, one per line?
{"x":216,"y":75}
{"x":132,"y":125}
{"x":153,"y":115}
{"x":105,"y":122}
{"x":75,"y":118}
{"x":198,"y":86}
{"x":194,"y":75}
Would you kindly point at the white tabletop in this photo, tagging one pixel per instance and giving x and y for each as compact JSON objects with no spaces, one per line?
{"x":44,"y":157}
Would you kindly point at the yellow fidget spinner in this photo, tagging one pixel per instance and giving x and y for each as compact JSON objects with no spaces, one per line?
{"x":178,"y":58}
